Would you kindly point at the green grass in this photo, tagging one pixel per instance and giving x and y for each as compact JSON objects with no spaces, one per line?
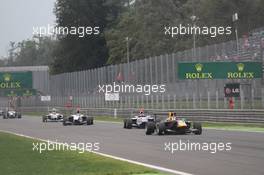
{"x":234,"y":126}
{"x":109,"y":119}
{"x":18,"y":158}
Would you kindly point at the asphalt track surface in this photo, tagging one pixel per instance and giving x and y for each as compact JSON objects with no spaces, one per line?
{"x":245,"y":158}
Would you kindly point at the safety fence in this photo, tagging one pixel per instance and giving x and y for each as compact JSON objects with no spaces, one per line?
{"x":241,"y":116}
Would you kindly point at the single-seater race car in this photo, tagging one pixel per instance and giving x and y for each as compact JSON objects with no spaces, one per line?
{"x":53,"y":115}
{"x":173,"y":125}
{"x":78,"y":119}
{"x":139,"y":121}
{"x":11,"y":114}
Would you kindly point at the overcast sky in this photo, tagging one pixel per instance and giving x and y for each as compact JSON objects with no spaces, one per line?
{"x":17,"y":18}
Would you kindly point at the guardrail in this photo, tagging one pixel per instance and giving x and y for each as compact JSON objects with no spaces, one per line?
{"x":220,"y":115}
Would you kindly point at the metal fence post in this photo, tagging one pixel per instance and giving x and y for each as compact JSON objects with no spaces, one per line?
{"x":187,"y":101}
{"x":217,"y":99}
{"x":194,"y":101}
{"x":252,"y":98}
{"x":174,"y":101}
{"x":208,"y":100}
{"x":241,"y":99}
{"x":162,"y":98}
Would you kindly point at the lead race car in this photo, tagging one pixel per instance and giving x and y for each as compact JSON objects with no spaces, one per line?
{"x":138,"y":121}
{"x":173,"y":125}
{"x":78,"y":119}
{"x":11,"y":114}
{"x":53,"y":115}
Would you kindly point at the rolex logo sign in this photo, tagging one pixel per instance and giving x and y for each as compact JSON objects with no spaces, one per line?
{"x":199,"y":67}
{"x":241,"y":73}
{"x":198,"y":73}
{"x":220,"y":70}
{"x":240,"y":67}
{"x":7,"y":77}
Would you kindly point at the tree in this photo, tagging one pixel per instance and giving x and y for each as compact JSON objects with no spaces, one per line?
{"x":32,"y":52}
{"x":145,"y":20}
{"x":77,"y":53}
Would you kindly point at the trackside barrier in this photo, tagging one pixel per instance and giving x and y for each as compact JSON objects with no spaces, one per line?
{"x":241,"y":116}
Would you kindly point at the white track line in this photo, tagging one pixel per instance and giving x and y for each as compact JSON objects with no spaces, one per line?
{"x":110,"y":156}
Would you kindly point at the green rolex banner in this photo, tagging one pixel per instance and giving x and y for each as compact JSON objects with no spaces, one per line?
{"x":220,"y":70}
{"x":15,"y":80}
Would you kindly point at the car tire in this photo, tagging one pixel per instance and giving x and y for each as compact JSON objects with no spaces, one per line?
{"x":160,"y":129}
{"x":64,"y":122}
{"x":198,"y":127}
{"x":129,"y":124}
{"x":89,"y":120}
{"x":125,"y":123}
{"x":150,"y":128}
{"x":44,"y":119}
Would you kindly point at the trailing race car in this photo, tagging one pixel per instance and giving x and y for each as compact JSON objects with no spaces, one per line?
{"x":2,"y":113}
{"x":173,"y":125}
{"x":138,"y":121}
{"x":54,"y":115}
{"x":78,"y":119}
{"x":11,"y":114}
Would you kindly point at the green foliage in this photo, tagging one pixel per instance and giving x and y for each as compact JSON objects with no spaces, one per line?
{"x":144,"y":24}
{"x":142,"y":21}
{"x":74,"y":53}
{"x":32,"y":52}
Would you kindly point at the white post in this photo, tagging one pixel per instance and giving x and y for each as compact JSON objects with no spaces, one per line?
{"x":208,"y":99}
{"x":163,"y":106}
{"x":115,"y":113}
{"x":200,"y":100}
{"x":174,"y":100}
{"x":225,"y":103}
{"x":241,"y":99}
{"x":187,"y":100}
{"x":194,"y":101}
{"x":168,"y":101}
{"x":152,"y":102}
{"x":262,"y":97}
{"x":252,"y":95}
{"x":216,"y":96}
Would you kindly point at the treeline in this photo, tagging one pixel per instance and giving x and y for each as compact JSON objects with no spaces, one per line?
{"x":139,"y":22}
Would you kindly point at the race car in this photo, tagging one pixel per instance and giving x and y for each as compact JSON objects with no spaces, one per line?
{"x":138,"y":121}
{"x":78,"y":119}
{"x":11,"y":114}
{"x":54,"y":115}
{"x":2,"y":113}
{"x":173,"y":125}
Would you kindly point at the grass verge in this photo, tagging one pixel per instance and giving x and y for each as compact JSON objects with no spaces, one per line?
{"x":17,"y":157}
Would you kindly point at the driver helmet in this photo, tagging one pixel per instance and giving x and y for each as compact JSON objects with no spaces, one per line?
{"x":172,"y":116}
{"x":141,"y":112}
